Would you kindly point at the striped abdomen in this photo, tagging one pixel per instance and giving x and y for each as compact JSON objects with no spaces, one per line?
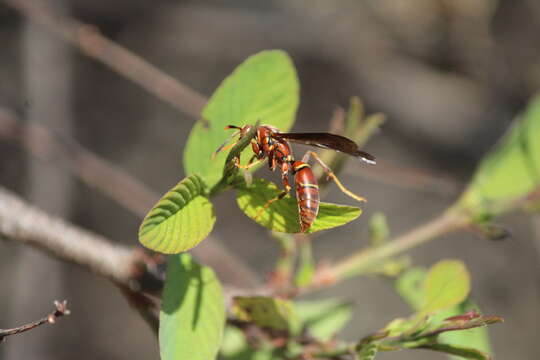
{"x":307,"y":194}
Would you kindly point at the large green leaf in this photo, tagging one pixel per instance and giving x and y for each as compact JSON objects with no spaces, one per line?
{"x":447,"y":284}
{"x":180,"y":220}
{"x":264,"y":87}
{"x":323,"y":318}
{"x":511,"y":171}
{"x":282,"y":215}
{"x":192,"y":314}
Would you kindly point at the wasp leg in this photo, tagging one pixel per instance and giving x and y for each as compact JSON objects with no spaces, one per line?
{"x":250,"y":163}
{"x":331,"y":175}
{"x":247,"y":175}
{"x":286,"y":185}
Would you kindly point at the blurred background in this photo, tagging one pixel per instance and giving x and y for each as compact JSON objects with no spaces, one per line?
{"x":449,"y":74}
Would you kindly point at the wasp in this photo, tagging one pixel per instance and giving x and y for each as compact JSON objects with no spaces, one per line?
{"x":270,"y":144}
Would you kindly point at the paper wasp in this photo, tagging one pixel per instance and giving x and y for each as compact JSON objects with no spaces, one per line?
{"x":269,"y":143}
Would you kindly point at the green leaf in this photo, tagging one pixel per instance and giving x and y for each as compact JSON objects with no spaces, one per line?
{"x":181,"y":219}
{"x":355,"y":117}
{"x":378,"y":229}
{"x":323,"y":318}
{"x":192,"y":314}
{"x":264,"y":87}
{"x":511,"y":171}
{"x":447,"y":284}
{"x":273,"y":313}
{"x":282,"y":215}
{"x":368,"y":352}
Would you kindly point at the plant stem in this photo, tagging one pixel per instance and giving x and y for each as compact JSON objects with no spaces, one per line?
{"x":362,"y":261}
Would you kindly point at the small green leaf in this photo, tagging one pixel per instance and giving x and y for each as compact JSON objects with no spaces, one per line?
{"x":378,"y":229}
{"x":273,"y":313}
{"x":447,"y":284}
{"x":192,"y":314}
{"x":282,"y":215}
{"x":323,"y":318}
{"x":264,"y":87}
{"x":355,"y":117}
{"x":368,"y":352}
{"x":511,"y":171}
{"x":181,"y":219}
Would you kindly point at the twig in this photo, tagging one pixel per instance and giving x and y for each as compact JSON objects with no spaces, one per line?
{"x":61,"y":310}
{"x":88,"y":39}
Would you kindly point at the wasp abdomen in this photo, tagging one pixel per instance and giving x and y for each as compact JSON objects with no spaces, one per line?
{"x":307,"y":194}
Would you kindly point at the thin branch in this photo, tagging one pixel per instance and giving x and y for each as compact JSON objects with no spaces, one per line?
{"x":61,"y":310}
{"x":88,"y":39}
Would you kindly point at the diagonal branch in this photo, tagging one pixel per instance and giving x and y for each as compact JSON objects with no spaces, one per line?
{"x":88,"y":39}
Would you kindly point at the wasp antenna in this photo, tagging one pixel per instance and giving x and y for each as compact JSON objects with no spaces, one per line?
{"x":223,"y":146}
{"x":228,"y":127}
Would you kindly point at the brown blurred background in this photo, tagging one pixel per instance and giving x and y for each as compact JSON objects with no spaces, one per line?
{"x":450,"y":75}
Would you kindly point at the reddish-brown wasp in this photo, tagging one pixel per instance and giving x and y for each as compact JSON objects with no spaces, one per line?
{"x":269,"y":143}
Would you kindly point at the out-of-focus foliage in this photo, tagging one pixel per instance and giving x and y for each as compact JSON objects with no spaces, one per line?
{"x":269,"y":312}
{"x":324,"y":318}
{"x":511,"y":172}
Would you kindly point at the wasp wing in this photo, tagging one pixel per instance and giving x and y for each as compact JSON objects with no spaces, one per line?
{"x":328,"y":141}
